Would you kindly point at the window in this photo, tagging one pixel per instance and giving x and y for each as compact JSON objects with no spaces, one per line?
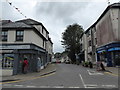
{"x":19,"y":35}
{"x":88,"y":33}
{"x":43,"y":44}
{"x":90,"y":43}
{"x":95,"y":40}
{"x":4,"y":35}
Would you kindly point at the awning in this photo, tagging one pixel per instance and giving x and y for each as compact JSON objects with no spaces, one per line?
{"x":101,"y":51}
{"x":114,"y":49}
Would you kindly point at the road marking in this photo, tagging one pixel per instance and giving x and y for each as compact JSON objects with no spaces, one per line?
{"x":44,"y":86}
{"x":27,"y":79}
{"x":58,"y":87}
{"x":91,"y":85}
{"x":18,"y":85}
{"x":31,"y":86}
{"x":73,"y":87}
{"x":111,"y":74}
{"x":109,"y":86}
{"x":82,"y":81}
{"x":94,"y":72}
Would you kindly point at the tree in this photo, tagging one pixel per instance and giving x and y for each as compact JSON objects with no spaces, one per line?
{"x":71,"y":40}
{"x":57,"y":55}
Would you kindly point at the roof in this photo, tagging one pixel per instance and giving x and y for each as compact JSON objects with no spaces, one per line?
{"x":115,"y":5}
{"x":32,"y":22}
{"x":2,"y":22}
{"x":21,"y":25}
{"x":16,"y":25}
{"x":50,"y":40}
{"x":29,"y":21}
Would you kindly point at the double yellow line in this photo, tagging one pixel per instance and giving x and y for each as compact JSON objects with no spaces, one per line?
{"x":28,"y":79}
{"x":111,"y":74}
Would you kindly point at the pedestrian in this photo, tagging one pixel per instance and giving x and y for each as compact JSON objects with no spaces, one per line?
{"x":25,"y":66}
{"x":102,"y":66}
{"x":90,"y":64}
{"x":38,"y":64}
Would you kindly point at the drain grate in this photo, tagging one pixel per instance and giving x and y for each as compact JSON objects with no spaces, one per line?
{"x":9,"y":80}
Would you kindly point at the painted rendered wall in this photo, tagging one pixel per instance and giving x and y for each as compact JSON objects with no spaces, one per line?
{"x":29,"y":37}
{"x":107,"y":28}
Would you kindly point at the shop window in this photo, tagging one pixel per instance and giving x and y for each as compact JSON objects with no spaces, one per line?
{"x":4,"y":35}
{"x":19,"y":35}
{"x":7,"y":61}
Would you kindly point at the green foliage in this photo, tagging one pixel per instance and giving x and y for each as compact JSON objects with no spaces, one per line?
{"x":71,"y":40}
{"x":86,"y":63}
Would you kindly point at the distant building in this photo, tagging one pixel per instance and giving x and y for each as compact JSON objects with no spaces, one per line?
{"x":25,"y":39}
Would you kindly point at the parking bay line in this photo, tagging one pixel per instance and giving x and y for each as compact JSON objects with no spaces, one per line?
{"x":82,"y":81}
{"x":94,"y":73}
{"x":87,"y":85}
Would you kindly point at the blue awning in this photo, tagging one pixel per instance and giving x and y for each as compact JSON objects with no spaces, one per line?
{"x":114,"y":49}
{"x":101,"y":51}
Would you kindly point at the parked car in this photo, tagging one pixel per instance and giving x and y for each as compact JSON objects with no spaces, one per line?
{"x":54,"y":61}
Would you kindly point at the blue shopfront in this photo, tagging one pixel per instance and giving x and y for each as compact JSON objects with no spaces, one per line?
{"x":110,"y":54}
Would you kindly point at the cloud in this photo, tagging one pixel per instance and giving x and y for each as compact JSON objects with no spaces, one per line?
{"x":56,"y":16}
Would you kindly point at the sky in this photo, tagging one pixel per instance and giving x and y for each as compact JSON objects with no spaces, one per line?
{"x":55,"y":15}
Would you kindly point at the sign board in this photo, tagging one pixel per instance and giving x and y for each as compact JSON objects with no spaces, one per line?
{"x":15,"y":47}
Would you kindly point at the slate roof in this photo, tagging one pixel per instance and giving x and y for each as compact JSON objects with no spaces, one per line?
{"x":2,"y":22}
{"x":29,"y":21}
{"x":32,"y":22}
{"x":16,"y":25}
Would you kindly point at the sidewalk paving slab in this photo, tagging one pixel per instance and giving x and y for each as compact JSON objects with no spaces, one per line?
{"x":49,"y":69}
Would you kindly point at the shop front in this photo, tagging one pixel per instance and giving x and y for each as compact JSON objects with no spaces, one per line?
{"x":110,"y":54}
{"x":13,"y":56}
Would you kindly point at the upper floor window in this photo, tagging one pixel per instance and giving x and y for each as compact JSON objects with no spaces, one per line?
{"x":95,"y":40}
{"x":90,"y":43}
{"x":43,"y":44}
{"x":19,"y":35}
{"x":88,"y":33}
{"x":4,"y":35}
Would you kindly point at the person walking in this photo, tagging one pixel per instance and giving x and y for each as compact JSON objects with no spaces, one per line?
{"x":102,"y":66}
{"x":25,"y":66}
{"x":90,"y":64}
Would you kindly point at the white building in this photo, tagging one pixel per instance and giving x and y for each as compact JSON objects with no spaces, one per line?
{"x":25,"y":39}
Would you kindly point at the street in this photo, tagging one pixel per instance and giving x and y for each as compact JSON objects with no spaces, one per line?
{"x":69,"y":76}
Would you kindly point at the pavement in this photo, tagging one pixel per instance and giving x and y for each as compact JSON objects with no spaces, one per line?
{"x":50,"y":68}
{"x":111,"y":70}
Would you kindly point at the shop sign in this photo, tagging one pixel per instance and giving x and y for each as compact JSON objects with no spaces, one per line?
{"x":15,"y":47}
{"x":101,"y":51}
{"x":114,"y":49}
